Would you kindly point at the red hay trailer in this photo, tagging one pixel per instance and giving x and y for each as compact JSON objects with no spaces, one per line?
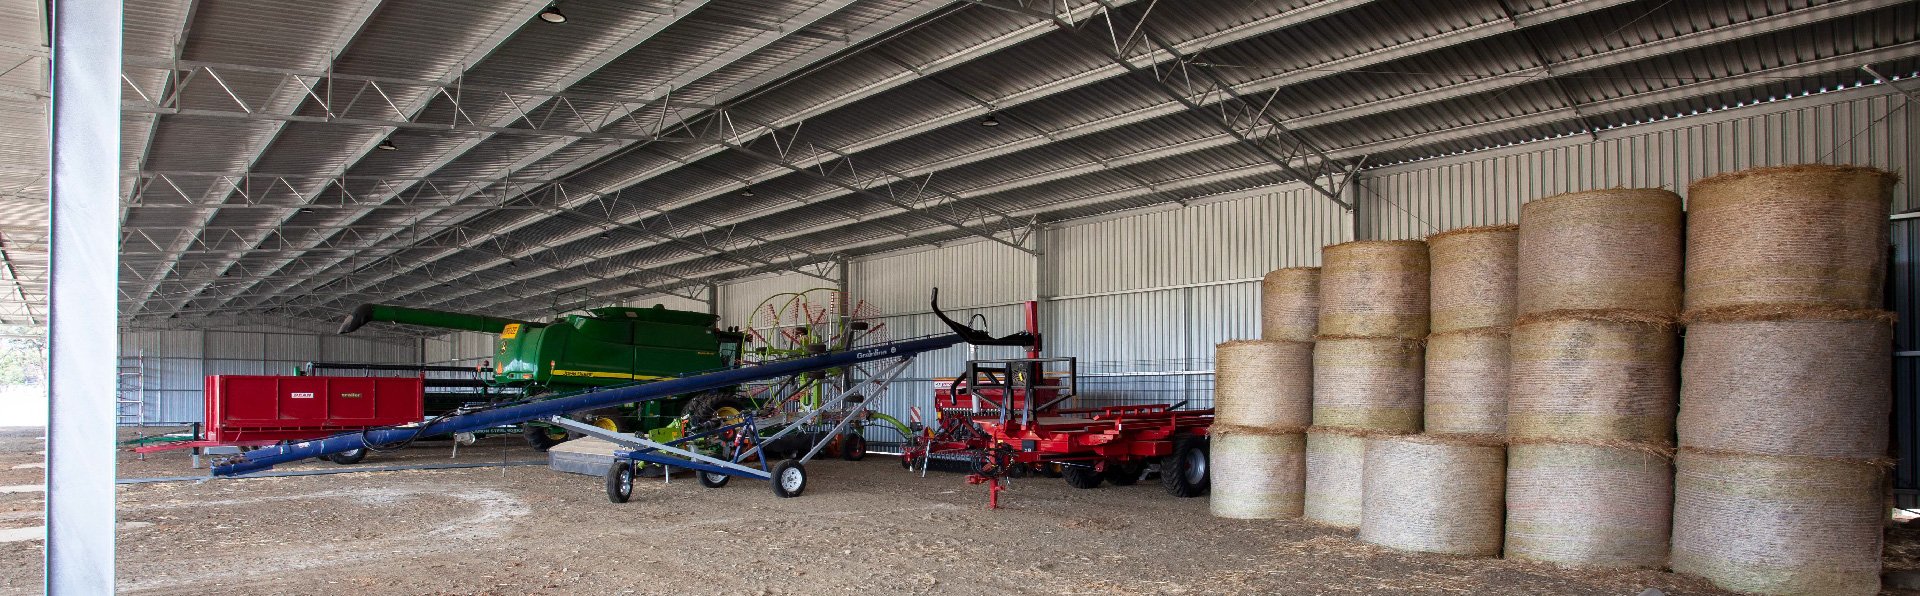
{"x":261,"y":410}
{"x":281,"y":408}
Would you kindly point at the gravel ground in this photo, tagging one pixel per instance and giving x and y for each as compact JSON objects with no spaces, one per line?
{"x":861,"y":527}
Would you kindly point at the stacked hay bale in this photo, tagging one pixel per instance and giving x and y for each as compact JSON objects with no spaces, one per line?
{"x":1290,"y":304}
{"x":1437,"y":493}
{"x":1263,"y":394}
{"x":1473,"y":301}
{"x":1782,"y":427}
{"x":1367,"y":366}
{"x":1442,"y":491}
{"x":1593,"y":379}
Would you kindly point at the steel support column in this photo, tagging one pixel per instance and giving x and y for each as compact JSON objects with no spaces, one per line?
{"x":81,"y":335}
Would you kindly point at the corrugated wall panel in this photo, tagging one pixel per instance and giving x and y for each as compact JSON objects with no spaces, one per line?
{"x":738,"y":299}
{"x":1871,"y":127}
{"x":972,"y":274}
{"x":460,"y":347}
{"x":228,"y":344}
{"x":282,"y":346}
{"x":1236,"y":238}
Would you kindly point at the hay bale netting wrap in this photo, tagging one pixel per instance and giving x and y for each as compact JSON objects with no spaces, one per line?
{"x":1335,"y":457}
{"x":1807,"y":234}
{"x":1593,"y":377}
{"x":1263,"y":384}
{"x":1374,"y":289}
{"x":1474,"y":272}
{"x":1787,"y":380}
{"x":1466,"y":382}
{"x":1257,"y":473}
{"x":1779,"y":525}
{"x":1290,"y":304}
{"x":1434,"y":493}
{"x":1601,"y":250}
{"x":1588,"y":505}
{"x":1368,"y":382}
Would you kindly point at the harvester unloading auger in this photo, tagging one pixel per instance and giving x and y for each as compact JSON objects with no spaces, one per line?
{"x":553,"y":409}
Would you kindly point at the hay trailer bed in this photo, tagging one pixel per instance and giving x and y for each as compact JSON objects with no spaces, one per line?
{"x":1004,"y":419}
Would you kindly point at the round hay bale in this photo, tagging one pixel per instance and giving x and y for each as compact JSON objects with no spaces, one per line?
{"x":1779,"y":525}
{"x":1601,"y":250}
{"x":1588,"y":505}
{"x":1474,"y":273}
{"x":1788,"y":381}
{"x":1369,"y":383}
{"x":1334,"y":460}
{"x":1374,"y":289}
{"x":1256,"y":473}
{"x":1806,"y":234}
{"x":1466,"y":383}
{"x":1593,"y":377}
{"x":1290,"y":304}
{"x":1434,"y":493}
{"x":1263,"y":384}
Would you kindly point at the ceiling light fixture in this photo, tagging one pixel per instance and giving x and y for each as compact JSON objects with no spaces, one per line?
{"x":989,"y":121}
{"x":306,"y":210}
{"x":605,"y":234}
{"x":552,"y":14}
{"x":387,"y":145}
{"x":746,"y":192}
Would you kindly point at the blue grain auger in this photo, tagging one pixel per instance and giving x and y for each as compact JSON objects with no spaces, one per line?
{"x":787,"y":476}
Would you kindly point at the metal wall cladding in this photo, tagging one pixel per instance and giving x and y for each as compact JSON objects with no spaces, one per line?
{"x":1870,"y":127}
{"x":459,"y":347}
{"x":739,"y":299}
{"x":968,"y":275}
{"x":1242,"y":237}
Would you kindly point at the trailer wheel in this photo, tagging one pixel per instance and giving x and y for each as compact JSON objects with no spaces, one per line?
{"x":540,"y":437}
{"x":712,"y":480}
{"x":1081,"y":476}
{"x":1126,"y":474}
{"x":789,"y":479}
{"x":348,"y":457}
{"x":620,"y":481}
{"x":853,"y":447}
{"x":1184,"y":473}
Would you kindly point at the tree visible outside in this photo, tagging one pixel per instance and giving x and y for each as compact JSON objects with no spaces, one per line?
{"x":23,"y":355}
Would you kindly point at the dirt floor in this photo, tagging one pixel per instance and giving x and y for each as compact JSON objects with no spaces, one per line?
{"x":862,"y":526}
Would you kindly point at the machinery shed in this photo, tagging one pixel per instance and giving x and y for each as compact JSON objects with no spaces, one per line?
{"x":701,"y":233}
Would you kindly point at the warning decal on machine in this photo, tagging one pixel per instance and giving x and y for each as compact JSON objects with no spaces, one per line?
{"x":302,"y":395}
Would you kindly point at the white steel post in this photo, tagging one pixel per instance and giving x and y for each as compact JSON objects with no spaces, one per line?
{"x":82,"y":335}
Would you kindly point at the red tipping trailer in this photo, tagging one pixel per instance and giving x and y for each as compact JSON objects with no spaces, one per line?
{"x":261,"y":410}
{"x":264,"y":407}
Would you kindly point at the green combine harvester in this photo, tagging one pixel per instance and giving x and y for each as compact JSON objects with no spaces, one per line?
{"x":607,"y":346}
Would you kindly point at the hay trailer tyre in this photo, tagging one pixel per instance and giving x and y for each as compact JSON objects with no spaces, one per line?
{"x":1184,"y":472}
{"x":789,"y":479}
{"x":620,"y":481}
{"x":1079,"y":476}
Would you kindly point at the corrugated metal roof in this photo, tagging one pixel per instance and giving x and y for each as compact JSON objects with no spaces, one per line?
{"x":1388,"y":80}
